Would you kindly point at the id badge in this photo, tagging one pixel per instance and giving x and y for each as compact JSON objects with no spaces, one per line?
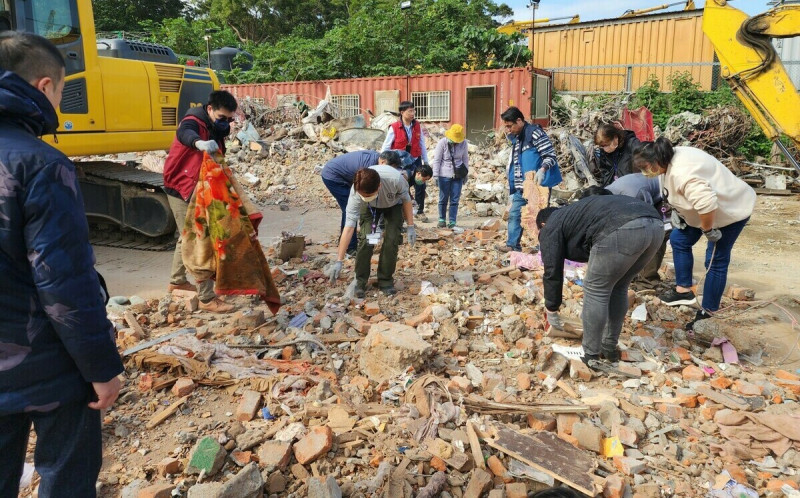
{"x":373,"y":239}
{"x":667,"y":226}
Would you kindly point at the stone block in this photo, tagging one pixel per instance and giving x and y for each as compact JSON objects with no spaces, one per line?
{"x":275,"y":454}
{"x":614,"y":487}
{"x":629,"y":466}
{"x":589,"y":436}
{"x":390,"y":349}
{"x":738,"y":293}
{"x":206,"y":455}
{"x":161,"y":490}
{"x":168,"y":465}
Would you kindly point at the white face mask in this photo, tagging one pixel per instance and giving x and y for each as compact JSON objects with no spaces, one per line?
{"x":370,"y":198}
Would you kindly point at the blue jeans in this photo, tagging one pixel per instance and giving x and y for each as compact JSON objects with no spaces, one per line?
{"x":717,"y":276}
{"x":341,"y":192}
{"x":419,"y":190}
{"x":449,"y":190}
{"x":613,"y":262}
{"x":68,"y":452}
{"x":515,"y":220}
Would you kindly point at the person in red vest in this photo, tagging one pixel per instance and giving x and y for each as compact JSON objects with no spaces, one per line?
{"x":406,"y":134}
{"x":203,"y":129}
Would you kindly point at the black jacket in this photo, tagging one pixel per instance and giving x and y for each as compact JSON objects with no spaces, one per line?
{"x":571,"y":231}
{"x":605,"y":167}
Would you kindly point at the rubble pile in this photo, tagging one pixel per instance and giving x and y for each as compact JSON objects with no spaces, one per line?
{"x":719,"y":132}
{"x":454,"y":387}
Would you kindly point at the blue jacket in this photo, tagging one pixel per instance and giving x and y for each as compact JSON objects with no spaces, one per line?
{"x":342,"y":169}
{"x":54,"y":334}
{"x":535,"y":151}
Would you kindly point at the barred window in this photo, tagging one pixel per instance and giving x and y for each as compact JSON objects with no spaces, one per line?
{"x":432,"y":106}
{"x":348,"y":105}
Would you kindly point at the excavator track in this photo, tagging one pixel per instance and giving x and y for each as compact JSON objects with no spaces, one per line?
{"x":126,"y":207}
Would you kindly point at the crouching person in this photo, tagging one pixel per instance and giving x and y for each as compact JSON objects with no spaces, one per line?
{"x":617,"y":235}
{"x":377,"y":191}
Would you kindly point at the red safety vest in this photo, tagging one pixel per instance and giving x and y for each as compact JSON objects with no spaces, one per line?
{"x":401,"y":139}
{"x":182,"y":166}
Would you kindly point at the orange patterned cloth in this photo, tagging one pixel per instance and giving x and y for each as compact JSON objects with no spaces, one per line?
{"x":219,"y":241}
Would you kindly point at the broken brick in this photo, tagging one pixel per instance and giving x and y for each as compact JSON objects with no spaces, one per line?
{"x":161,"y":490}
{"x":674,"y":412}
{"x":498,"y":469}
{"x":746,"y":388}
{"x":565,"y":422}
{"x":579,"y":370}
{"x":371,"y":308}
{"x":516,"y":490}
{"x":168,"y":465}
{"x":693,"y":373}
{"x":589,"y":436}
{"x":275,"y":454}
{"x":541,"y":422}
{"x":523,"y":381}
{"x":425,"y":317}
{"x":721,"y":383}
{"x":242,"y":458}
{"x":248,"y":406}
{"x":315,"y":444}
{"x":460,"y":384}
{"x":738,"y":293}
{"x":614,"y":487}
{"x":629,"y":466}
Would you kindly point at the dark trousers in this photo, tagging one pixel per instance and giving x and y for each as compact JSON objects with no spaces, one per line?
{"x":419,"y":190}
{"x":68,"y":452}
{"x":650,"y":271}
{"x":341,"y":192}
{"x":387,"y":263}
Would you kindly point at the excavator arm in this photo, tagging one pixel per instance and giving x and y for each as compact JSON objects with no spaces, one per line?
{"x":751,"y":66}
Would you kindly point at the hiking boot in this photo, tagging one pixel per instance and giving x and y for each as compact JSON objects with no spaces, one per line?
{"x":184,"y":286}
{"x":421,"y":217}
{"x":591,"y":360}
{"x":700,"y":315}
{"x":389,"y":290}
{"x":675,"y":298}
{"x":611,"y":355}
{"x":441,"y":223}
{"x":360,"y":292}
{"x":504,"y":248}
{"x":216,"y":305}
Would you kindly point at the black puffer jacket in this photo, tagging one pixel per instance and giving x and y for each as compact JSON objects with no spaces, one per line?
{"x":608,"y":167}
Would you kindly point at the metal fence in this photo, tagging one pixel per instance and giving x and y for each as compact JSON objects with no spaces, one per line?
{"x":581,"y":80}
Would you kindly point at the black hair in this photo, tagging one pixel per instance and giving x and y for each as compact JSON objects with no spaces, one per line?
{"x":543,"y":216}
{"x":30,"y":56}
{"x":606,"y":133}
{"x":221,"y":99}
{"x":425,"y":170}
{"x":659,"y":153}
{"x":366,"y":181}
{"x":560,"y":492}
{"x":594,"y":190}
{"x":391,"y":157}
{"x":512,"y":114}
{"x":406,"y":104}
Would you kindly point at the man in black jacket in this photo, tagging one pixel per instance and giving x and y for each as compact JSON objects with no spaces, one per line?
{"x":617,"y":235}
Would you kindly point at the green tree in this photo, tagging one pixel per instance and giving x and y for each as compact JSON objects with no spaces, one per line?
{"x":115,"y":15}
{"x":186,"y":38}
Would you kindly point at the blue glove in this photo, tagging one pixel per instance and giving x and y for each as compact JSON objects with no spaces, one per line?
{"x":412,"y":235}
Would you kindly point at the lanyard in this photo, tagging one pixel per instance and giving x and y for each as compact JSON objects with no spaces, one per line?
{"x":374,"y":212}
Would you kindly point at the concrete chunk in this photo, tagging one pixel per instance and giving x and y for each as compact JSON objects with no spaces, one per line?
{"x":390,"y":349}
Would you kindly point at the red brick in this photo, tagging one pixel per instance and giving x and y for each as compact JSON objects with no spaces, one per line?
{"x":460,"y":384}
{"x":275,"y":453}
{"x":565,"y":422}
{"x":775,"y":485}
{"x":161,"y":490}
{"x":541,"y":422}
{"x":737,"y":473}
{"x":524,"y":381}
{"x":721,"y":383}
{"x":361,"y":382}
{"x":687,"y":400}
{"x":168,"y":465}
{"x":516,"y":490}
{"x":380,"y":317}
{"x":498,"y":469}
{"x":629,"y":369}
{"x":485,"y":234}
{"x":371,"y":308}
{"x":341,"y":328}
{"x":589,"y":437}
{"x":314,"y":445}
{"x":248,"y":406}
{"x":738,"y":293}
{"x":145,"y":382}
{"x":746,"y":388}
{"x":183,"y":387}
{"x":287,"y":353}
{"x":682,"y":353}
{"x":524,"y":344}
{"x":693,"y":373}
{"x":614,"y":487}
{"x":361,"y":325}
{"x":784,"y":375}
{"x":242,"y":458}
{"x":674,"y":412}
{"x":438,"y":464}
{"x":579,"y":370}
{"x":627,"y":436}
{"x":425,"y":317}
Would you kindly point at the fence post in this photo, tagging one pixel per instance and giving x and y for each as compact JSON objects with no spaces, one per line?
{"x":628,"y":78}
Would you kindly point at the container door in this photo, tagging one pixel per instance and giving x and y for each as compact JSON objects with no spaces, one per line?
{"x":480,"y":112}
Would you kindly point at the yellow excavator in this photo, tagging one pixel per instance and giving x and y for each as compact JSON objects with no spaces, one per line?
{"x":119,"y":96}
{"x":525,"y":26}
{"x":749,"y":63}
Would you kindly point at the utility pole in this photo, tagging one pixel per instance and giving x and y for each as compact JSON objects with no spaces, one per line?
{"x":405,"y":6}
{"x":534,"y":4}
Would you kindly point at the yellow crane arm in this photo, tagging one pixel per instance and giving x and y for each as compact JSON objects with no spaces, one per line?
{"x":750,"y":65}
{"x":519,"y":26}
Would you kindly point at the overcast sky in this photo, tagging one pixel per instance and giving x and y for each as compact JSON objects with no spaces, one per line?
{"x":591,"y":10}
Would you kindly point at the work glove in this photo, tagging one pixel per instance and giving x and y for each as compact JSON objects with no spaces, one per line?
{"x":677,"y":221}
{"x":334,"y":271}
{"x":554,"y":319}
{"x":209,"y":146}
{"x":539,"y":177}
{"x":713,"y":235}
{"x":411,"y":232}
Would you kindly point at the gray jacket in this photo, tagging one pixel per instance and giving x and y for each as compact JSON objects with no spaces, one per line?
{"x":393,"y":191}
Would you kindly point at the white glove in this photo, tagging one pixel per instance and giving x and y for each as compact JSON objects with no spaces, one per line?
{"x":539,"y":176}
{"x":334,"y":271}
{"x":713,"y":235}
{"x":209,"y":146}
{"x":677,"y":222}
{"x":412,"y":235}
{"x":554,"y":319}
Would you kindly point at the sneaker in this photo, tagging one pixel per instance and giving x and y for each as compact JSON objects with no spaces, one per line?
{"x":452,"y":224}
{"x":389,"y":290}
{"x":441,"y":223}
{"x":421,"y":217}
{"x":504,"y":248}
{"x":216,"y":305}
{"x":611,"y":355}
{"x":700,"y":315}
{"x":184,"y":286}
{"x":675,"y":298}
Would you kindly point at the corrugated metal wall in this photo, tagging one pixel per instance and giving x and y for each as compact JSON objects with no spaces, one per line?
{"x":668,"y":38}
{"x":789,"y":51}
{"x":512,"y":87}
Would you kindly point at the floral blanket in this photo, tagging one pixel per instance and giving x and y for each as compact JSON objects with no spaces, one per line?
{"x":218,"y":238}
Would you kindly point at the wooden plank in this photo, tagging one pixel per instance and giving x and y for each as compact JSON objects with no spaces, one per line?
{"x":336,"y":338}
{"x":475,"y":446}
{"x":727,"y":400}
{"x":548,"y":453}
{"x":166,"y":413}
{"x":130,"y":319}
{"x":481,"y":405}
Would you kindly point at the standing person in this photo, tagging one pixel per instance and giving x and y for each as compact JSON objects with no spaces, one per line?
{"x":647,"y":190}
{"x":338,"y":175}
{"x":58,"y":361}
{"x":617,"y":235}
{"x":203,"y":129}
{"x":531,"y":150}
{"x":450,"y":167}
{"x":377,"y":191}
{"x":406,"y":134}
{"x":706,"y":199}
{"x":613,"y":154}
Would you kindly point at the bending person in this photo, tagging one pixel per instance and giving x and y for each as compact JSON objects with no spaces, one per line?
{"x":707,"y":200}
{"x":613,"y":154}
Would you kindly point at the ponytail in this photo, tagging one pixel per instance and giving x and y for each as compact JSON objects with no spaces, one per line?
{"x":658,"y":153}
